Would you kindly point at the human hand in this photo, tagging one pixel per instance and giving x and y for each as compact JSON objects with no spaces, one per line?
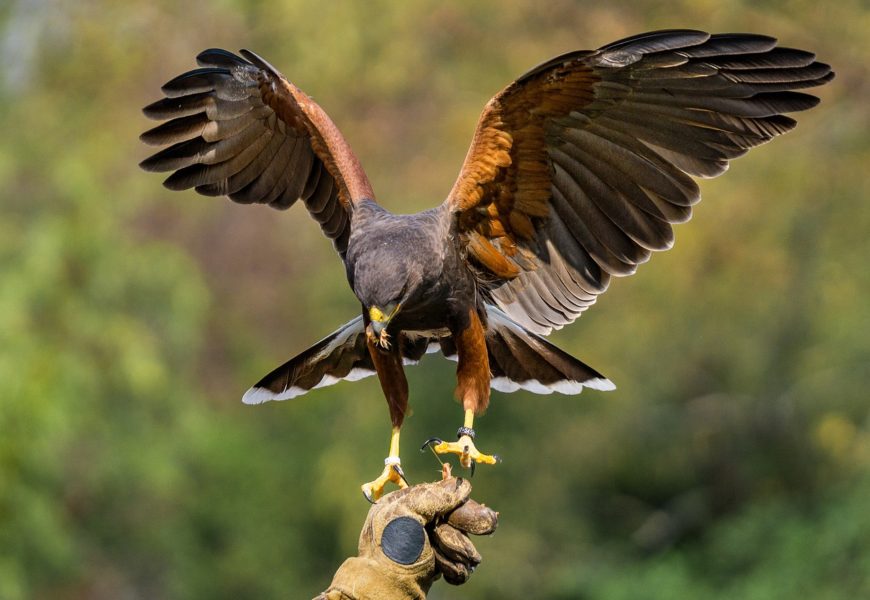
{"x":410,"y":538}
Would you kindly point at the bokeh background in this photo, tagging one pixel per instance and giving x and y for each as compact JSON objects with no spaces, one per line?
{"x":733,"y":461}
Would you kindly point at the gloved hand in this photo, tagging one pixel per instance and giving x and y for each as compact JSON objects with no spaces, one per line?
{"x":409,"y":539}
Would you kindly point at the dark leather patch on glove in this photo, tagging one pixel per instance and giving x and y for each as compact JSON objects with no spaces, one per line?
{"x":403,"y":540}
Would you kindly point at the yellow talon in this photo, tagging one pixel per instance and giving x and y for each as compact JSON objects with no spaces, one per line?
{"x":467,"y":452}
{"x":373,"y":490}
{"x":464,"y":447}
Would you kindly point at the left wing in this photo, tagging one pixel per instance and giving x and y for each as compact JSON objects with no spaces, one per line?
{"x":238,"y":128}
{"x":578,"y":169}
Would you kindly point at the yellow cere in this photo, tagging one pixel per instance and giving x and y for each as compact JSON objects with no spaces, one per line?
{"x":376,"y":314}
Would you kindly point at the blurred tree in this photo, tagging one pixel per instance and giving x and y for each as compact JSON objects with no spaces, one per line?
{"x":732,"y":461}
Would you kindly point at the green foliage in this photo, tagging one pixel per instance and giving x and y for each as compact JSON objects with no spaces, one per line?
{"x":733,"y":460}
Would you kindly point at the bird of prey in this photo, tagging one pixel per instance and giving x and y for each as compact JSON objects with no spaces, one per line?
{"x":576,"y":173}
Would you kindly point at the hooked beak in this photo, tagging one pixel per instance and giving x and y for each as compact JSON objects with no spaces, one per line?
{"x":381,"y":317}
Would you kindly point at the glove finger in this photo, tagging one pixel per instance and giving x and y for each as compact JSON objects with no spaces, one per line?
{"x":432,"y":499}
{"x":473,"y":517}
{"x":455,"y":545}
{"x":454,"y":573}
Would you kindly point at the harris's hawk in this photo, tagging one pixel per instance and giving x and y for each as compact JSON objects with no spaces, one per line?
{"x":576,"y":173}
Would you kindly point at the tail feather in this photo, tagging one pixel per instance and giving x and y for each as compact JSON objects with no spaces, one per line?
{"x":520,"y":359}
{"x":340,"y":356}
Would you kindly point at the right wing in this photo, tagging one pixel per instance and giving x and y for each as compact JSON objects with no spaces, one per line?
{"x":578,"y":169}
{"x":238,"y":128}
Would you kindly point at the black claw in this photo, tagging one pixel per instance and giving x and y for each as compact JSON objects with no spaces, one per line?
{"x":473,"y":465}
{"x":367,"y":497}
{"x":401,"y":473}
{"x":433,"y":441}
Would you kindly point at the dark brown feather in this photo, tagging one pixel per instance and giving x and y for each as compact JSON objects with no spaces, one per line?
{"x":472,"y":373}
{"x":238,"y":128}
{"x":391,"y":374}
{"x":519,"y":359}
{"x":342,"y":355}
{"x":581,"y":166}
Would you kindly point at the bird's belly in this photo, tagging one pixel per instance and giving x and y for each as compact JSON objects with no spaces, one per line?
{"x":420,"y":320}
{"x":431,"y":312}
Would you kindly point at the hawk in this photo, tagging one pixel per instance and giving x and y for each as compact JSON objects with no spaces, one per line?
{"x":576,"y":173}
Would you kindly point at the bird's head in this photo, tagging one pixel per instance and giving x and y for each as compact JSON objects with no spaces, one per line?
{"x":379,"y":318}
{"x":383,"y":294}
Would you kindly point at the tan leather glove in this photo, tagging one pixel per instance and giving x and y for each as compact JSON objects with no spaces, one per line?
{"x":409,"y":539}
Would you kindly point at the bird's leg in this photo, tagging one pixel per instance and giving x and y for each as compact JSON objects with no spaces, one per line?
{"x":373,"y":490}
{"x":472,"y":388}
{"x":388,"y":364}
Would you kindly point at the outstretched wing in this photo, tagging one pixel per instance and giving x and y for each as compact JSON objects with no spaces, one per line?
{"x":238,"y":128}
{"x":578,"y":169}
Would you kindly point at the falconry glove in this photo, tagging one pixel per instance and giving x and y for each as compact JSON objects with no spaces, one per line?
{"x":412,"y":537}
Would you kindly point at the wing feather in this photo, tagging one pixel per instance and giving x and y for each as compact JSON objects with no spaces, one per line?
{"x":236,"y":127}
{"x":579,"y":169}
